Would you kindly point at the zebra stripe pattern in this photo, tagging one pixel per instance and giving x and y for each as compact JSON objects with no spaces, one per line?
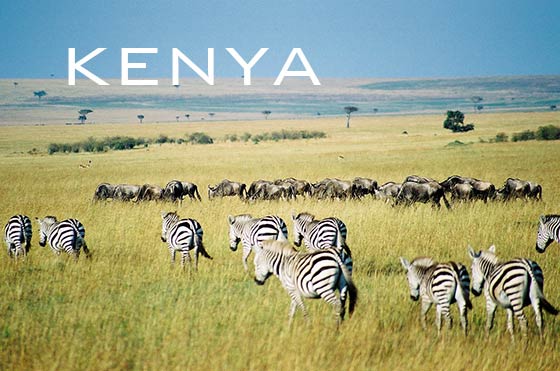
{"x":316,"y":274}
{"x":65,"y":236}
{"x":251,"y":232}
{"x":549,"y":231}
{"x":17,"y":234}
{"x":182,"y":235}
{"x":441,"y":284}
{"x":512,"y":285}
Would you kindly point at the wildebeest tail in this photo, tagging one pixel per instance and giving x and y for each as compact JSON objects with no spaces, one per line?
{"x":197,"y":195}
{"x":447,"y":205}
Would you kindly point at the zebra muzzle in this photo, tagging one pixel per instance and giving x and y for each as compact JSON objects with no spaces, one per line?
{"x":414,"y":297}
{"x":475,"y":292}
{"x":258,"y":282}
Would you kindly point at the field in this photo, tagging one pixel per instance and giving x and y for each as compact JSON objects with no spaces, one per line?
{"x":128,"y":308}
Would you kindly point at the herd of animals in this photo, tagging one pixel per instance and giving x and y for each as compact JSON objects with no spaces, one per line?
{"x":327,"y":265}
{"x":413,"y":189}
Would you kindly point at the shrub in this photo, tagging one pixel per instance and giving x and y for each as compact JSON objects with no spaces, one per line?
{"x":501,"y":137}
{"x":199,"y":138}
{"x":524,"y":135}
{"x":245,"y":137}
{"x":455,"y":122}
{"x":53,"y":148}
{"x":549,"y":132}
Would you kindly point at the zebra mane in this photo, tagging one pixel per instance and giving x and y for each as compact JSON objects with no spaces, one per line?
{"x":305,"y":217}
{"x":280,"y":247}
{"x":49,"y":219}
{"x":489,"y":256}
{"x":548,"y":217}
{"x":243,"y":217}
{"x":170,"y":214}
{"x":423,"y":262}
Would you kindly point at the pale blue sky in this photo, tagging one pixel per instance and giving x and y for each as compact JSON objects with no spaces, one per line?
{"x":353,"y":38}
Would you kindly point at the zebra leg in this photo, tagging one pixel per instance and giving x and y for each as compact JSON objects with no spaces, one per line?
{"x":464,"y":318}
{"x":425,"y":307}
{"x":297,"y":302}
{"x":330,"y":297}
{"x":246,"y":253}
{"x":536,"y":304}
{"x":491,"y":310}
{"x":522,"y":320}
{"x":510,"y":322}
{"x":184,"y":257}
{"x":172,"y":251}
{"x":196,"y":259}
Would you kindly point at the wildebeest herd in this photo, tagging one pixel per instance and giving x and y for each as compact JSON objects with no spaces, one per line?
{"x":327,"y":265}
{"x":413,"y":189}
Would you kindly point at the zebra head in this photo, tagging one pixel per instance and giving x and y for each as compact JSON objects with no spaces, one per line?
{"x":236,"y":224}
{"x":414,"y":274}
{"x":544,"y":236}
{"x":45,"y":226}
{"x":300,"y":226}
{"x":168,"y":220}
{"x":482,"y":263}
{"x":262,"y":267}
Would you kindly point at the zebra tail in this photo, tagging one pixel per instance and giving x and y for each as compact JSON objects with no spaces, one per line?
{"x":548,"y":307}
{"x":202,"y":250}
{"x":532,"y":266}
{"x":86,"y":249}
{"x":352,"y":289}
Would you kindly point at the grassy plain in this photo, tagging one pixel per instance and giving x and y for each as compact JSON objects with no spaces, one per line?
{"x":128,"y":308}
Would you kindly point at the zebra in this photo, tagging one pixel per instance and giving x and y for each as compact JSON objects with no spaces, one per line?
{"x":315,"y":274}
{"x":65,"y":236}
{"x":512,"y":285}
{"x":182,"y":235}
{"x":17,"y":234}
{"x":549,"y":231}
{"x":441,"y":284}
{"x":251,"y":232}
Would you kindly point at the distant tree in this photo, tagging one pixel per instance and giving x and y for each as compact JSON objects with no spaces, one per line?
{"x":52,"y":74}
{"x":83,"y":114}
{"x":211,"y":114}
{"x":553,"y":107}
{"x":177,"y":118}
{"x":177,"y":86}
{"x":318,"y":113}
{"x":140,"y":117}
{"x":266,"y":113}
{"x":476,"y":100}
{"x":349,"y":110}
{"x":40,"y":94}
{"x":16,"y":83}
{"x":187,"y":116}
{"x":455,"y":122}
{"x":375,"y":110}
{"x":480,"y":107}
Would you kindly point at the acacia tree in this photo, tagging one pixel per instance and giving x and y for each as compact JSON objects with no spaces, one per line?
{"x":40,"y":94}
{"x":83,"y":114}
{"x":140,"y":117}
{"x":455,"y":122}
{"x":266,"y":113}
{"x":349,"y":110}
{"x":476,"y":100}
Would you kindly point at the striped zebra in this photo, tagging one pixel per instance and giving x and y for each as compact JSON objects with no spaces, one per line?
{"x":17,"y":234}
{"x":316,"y":274}
{"x":251,"y":232}
{"x":182,"y":235}
{"x":512,"y":285}
{"x":549,"y":231}
{"x":65,"y":236}
{"x":441,"y":284}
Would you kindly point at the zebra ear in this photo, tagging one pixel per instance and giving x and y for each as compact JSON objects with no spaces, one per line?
{"x":163,"y":214}
{"x":294,"y":216}
{"x":541,"y":220}
{"x":231,"y":219}
{"x":472,"y":253}
{"x":492,"y":249}
{"x":404,"y":263}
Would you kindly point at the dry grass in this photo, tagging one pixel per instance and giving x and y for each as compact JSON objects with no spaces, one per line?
{"x":129,"y":309}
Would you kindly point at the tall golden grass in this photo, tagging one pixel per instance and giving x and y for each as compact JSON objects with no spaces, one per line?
{"x":128,"y":308}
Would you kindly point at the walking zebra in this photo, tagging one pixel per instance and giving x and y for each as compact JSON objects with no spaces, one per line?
{"x":316,"y":274}
{"x":549,"y":231}
{"x":441,"y":284}
{"x":65,"y":236}
{"x":512,"y":285}
{"x":182,"y":235}
{"x":17,"y":234}
{"x":251,"y":232}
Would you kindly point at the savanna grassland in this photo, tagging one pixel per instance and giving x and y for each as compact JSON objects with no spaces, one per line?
{"x":128,"y":308}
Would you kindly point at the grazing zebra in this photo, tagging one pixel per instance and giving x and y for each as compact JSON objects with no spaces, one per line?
{"x":441,"y":284}
{"x":182,"y":235}
{"x":17,"y":234}
{"x":549,"y":231}
{"x":65,"y":236}
{"x":316,"y":274}
{"x":512,"y":285}
{"x":251,"y":232}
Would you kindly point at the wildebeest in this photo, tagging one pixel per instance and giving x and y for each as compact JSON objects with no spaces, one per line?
{"x":227,"y":188}
{"x":363,"y":186}
{"x":175,"y":190}
{"x":266,"y":190}
{"x":388,"y":191}
{"x":126,"y":192}
{"x":412,"y":192}
{"x":462,"y":192}
{"x":302,"y":187}
{"x":516,"y":188}
{"x":150,"y":192}
{"x":104,"y":191}
{"x":481,"y":190}
{"x":418,"y":179}
{"x":332,"y":188}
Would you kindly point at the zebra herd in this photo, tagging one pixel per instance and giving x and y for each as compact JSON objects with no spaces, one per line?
{"x":413,"y":189}
{"x":326,"y":266}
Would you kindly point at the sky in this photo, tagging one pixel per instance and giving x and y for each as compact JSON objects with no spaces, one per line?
{"x":351,"y":38}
